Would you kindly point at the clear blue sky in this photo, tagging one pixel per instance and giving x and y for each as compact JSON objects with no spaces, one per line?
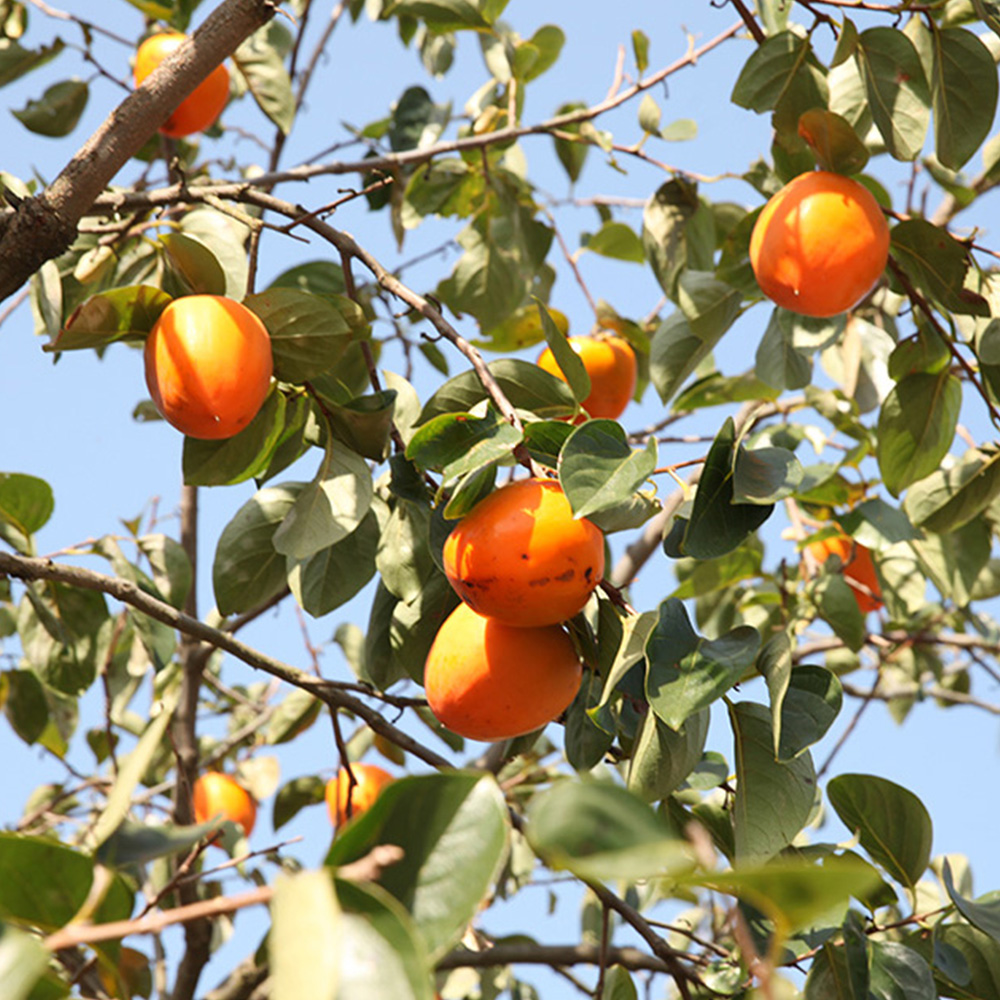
{"x":70,"y":423}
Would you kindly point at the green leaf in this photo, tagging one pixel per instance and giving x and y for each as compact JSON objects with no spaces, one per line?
{"x":136,"y":843}
{"x":416,"y":120}
{"x":989,"y":13}
{"x":597,"y":468}
{"x":504,"y":252}
{"x":675,"y":351}
{"x":779,"y":362}
{"x":130,"y":773}
{"x":544,"y":440}
{"x":448,"y":870}
{"x":980,"y":957}
{"x":678,"y":232}
{"x":169,"y":565}
{"x":840,"y":972}
{"x":810,"y":706}
{"x":247,"y":570}
{"x":331,"y":577}
{"x":526,"y":385}
{"x":640,"y":49}
{"x":773,"y":800}
{"x":193,"y":264}
{"x":226,"y":461}
{"x":892,"y":824}
{"x":772,"y":70}
{"x":297,"y":794}
{"x":548,"y":41}
{"x":44,"y":884}
{"x":305,"y":920}
{"x":650,"y":114}
{"x":718,"y":524}
{"x":382,"y":954}
{"x":985,"y":916}
{"x":24,"y":703}
{"x":26,"y":504}
{"x":833,"y":141}
{"x":57,"y":112}
{"x":364,"y":424}
{"x":954,"y":562}
{"x":295,"y":713}
{"x":916,"y":426}
{"x":309,"y":334}
{"x":318,"y":277}
{"x":329,"y":508}
{"x":794,"y":892}
{"x":838,"y":607}
{"x":460,"y":442}
{"x":121,"y":314}
{"x":572,"y":155}
{"x":262,"y":68}
{"x":936,"y":263}
{"x":899,"y":973}
{"x":663,"y":758}
{"x":964,"y":94}
{"x":897,"y":89}
{"x":23,"y":961}
{"x":948,"y":499}
{"x":680,"y":130}
{"x":16,"y":61}
{"x":877,"y":525}
{"x":440,"y":15}
{"x":765,"y":475}
{"x":711,"y":306}
{"x":226,"y":237}
{"x":684,"y":677}
{"x":601,"y":831}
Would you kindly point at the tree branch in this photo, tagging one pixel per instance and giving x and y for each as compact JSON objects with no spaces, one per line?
{"x":526,"y":953}
{"x":44,"y":226}
{"x":329,"y":692}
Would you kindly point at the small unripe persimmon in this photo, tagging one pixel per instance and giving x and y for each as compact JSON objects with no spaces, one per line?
{"x":369,"y":780}
{"x":610,"y":363}
{"x":202,"y":106}
{"x":856,"y":567}
{"x":521,"y":557}
{"x":820,"y":244}
{"x":490,"y":681}
{"x":208,"y":365}
{"x":218,"y":795}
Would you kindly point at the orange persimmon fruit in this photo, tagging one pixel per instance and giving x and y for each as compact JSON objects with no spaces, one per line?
{"x":610,"y":363}
{"x":521,"y":557}
{"x":202,"y":106}
{"x":856,"y":567}
{"x":369,"y":780}
{"x":216,"y":794}
{"x":820,"y":244}
{"x":489,"y":681}
{"x":208,"y":365}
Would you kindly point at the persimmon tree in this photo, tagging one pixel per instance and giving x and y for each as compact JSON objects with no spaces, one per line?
{"x":736,"y":866}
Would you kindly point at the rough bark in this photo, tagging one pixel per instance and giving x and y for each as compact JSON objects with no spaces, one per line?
{"x":42,"y":227}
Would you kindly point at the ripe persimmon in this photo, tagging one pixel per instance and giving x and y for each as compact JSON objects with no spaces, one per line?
{"x":369,"y":780}
{"x":610,"y":363}
{"x":520,"y":556}
{"x":820,"y":244}
{"x":208,"y":365}
{"x":216,"y":794}
{"x":202,"y":106}
{"x":491,"y":681}
{"x":857,"y":568}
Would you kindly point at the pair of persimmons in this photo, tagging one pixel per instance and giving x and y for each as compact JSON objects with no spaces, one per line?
{"x":217,"y":795}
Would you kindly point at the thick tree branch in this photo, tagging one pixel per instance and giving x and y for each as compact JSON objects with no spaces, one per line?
{"x":44,"y":226}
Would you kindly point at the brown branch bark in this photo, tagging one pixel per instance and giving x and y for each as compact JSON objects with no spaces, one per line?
{"x":329,"y":692}
{"x":526,"y":953}
{"x":363,"y":870}
{"x":44,"y":226}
